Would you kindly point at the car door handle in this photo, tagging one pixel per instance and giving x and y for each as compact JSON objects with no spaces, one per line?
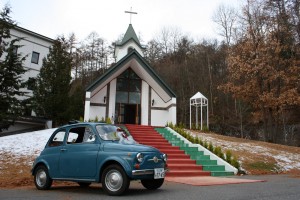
{"x":63,"y":149}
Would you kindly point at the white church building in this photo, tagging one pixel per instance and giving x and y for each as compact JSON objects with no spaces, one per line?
{"x":130,"y":92}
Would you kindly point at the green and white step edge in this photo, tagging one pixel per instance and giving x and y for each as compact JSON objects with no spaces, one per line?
{"x":228,"y":167}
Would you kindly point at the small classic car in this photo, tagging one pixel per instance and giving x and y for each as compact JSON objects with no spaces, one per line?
{"x":101,"y":153}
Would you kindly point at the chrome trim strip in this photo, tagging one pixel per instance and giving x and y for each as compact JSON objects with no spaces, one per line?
{"x":145,"y":172}
{"x":142,"y":172}
{"x":158,"y":159}
{"x":74,"y":179}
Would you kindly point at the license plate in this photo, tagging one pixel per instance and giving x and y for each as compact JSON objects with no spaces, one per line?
{"x":159,"y":173}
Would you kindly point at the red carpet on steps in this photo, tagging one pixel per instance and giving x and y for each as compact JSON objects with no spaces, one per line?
{"x":179,"y":164}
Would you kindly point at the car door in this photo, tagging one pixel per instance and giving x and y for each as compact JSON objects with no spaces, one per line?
{"x":78,"y":159}
{"x":53,"y":150}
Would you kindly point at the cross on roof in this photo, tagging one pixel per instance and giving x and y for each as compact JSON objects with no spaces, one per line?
{"x":131,"y":13}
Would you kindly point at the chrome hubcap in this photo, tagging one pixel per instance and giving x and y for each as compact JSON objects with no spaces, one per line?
{"x":41,"y":178}
{"x":113,"y":180}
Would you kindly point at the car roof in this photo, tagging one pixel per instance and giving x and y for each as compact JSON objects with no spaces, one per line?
{"x":82,"y":123}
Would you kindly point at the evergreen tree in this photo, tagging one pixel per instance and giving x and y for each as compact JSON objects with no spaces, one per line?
{"x":53,"y":84}
{"x":11,"y":69}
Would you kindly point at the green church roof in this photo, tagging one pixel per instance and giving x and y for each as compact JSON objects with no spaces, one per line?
{"x":132,"y":55}
{"x":130,"y":34}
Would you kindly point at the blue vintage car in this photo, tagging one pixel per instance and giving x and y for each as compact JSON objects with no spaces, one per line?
{"x":101,"y":153}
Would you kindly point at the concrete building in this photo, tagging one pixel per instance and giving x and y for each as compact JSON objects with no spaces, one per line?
{"x":35,"y":47}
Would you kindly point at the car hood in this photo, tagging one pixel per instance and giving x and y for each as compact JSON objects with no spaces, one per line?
{"x":129,"y":147}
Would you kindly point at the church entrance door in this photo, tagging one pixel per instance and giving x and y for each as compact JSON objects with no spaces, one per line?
{"x":131,"y":114}
{"x":128,"y":98}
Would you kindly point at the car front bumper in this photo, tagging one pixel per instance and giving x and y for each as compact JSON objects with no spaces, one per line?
{"x":145,"y":172}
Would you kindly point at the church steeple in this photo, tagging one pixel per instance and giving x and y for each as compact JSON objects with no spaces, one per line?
{"x":130,"y":41}
{"x":130,"y":34}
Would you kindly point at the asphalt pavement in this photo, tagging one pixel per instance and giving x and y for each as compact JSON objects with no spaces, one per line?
{"x":276,"y":187}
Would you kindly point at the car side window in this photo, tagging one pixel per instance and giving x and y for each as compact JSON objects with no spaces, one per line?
{"x":88,"y":136}
{"x":81,"y":135}
{"x":58,"y":139}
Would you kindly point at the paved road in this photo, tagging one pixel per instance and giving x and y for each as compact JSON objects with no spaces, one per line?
{"x":276,"y":187}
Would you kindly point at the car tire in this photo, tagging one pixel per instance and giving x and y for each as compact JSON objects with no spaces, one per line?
{"x":84,"y":184}
{"x":114,"y":180}
{"x":42,"y":179}
{"x":152,"y":184}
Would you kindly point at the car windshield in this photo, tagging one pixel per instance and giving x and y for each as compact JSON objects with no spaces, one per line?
{"x":107,"y":132}
{"x":111,"y":132}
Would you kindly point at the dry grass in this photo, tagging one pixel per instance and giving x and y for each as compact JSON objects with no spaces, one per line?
{"x":15,"y":171}
{"x":258,"y":157}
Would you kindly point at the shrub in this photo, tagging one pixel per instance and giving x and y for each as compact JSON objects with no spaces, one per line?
{"x":194,"y":127}
{"x":211,"y":147}
{"x":81,"y":119}
{"x":102,"y":120}
{"x":108,"y":121}
{"x":192,"y":139}
{"x":200,"y":141}
{"x":196,"y":141}
{"x":96,"y":119}
{"x":218,"y":151}
{"x":181,"y":125}
{"x":171,"y":125}
{"x":235,"y":163}
{"x":205,"y":128}
{"x":228,"y":156}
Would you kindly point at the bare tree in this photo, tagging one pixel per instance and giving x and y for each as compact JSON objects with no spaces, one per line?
{"x":226,"y":18}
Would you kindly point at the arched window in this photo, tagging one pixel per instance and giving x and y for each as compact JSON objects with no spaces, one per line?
{"x":130,"y":49}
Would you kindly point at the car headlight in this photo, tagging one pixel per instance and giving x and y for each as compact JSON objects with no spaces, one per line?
{"x":165,"y":157}
{"x":140,"y":157}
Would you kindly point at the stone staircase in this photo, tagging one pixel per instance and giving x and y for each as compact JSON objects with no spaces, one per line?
{"x":182,"y":159}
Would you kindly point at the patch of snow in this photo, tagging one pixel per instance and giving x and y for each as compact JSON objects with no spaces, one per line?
{"x":26,"y":144}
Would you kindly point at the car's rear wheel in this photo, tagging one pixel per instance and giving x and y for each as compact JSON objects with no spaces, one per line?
{"x":84,"y":184}
{"x":114,"y":180}
{"x":42,"y":179}
{"x":152,"y":184}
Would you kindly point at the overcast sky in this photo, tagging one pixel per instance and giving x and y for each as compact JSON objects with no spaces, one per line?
{"x":107,"y":17}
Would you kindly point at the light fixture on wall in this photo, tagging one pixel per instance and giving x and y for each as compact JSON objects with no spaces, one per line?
{"x":152,"y":102}
{"x":104,"y":99}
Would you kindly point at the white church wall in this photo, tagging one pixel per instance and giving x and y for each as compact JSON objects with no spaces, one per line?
{"x":98,"y":111}
{"x":173,"y":112}
{"x":122,"y":51}
{"x":144,"y":103}
{"x":158,"y":101}
{"x":112,"y":98}
{"x":162,"y":112}
{"x":98,"y":97}
{"x":159,"y":117}
{"x":87,"y":106}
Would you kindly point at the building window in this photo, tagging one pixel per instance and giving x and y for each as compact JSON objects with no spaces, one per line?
{"x":15,"y":50}
{"x":31,"y":83}
{"x":130,"y":49}
{"x":35,"y":57}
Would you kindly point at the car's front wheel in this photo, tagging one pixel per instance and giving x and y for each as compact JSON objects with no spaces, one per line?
{"x":152,"y":184}
{"x":42,"y":179}
{"x":114,"y":180}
